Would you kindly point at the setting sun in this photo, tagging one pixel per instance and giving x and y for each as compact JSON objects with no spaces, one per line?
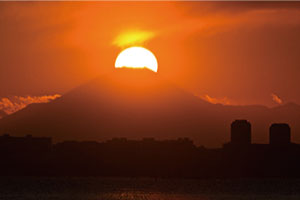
{"x":136,"y":57}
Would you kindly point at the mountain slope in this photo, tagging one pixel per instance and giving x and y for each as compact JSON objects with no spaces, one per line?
{"x":2,"y":114}
{"x":136,"y":104}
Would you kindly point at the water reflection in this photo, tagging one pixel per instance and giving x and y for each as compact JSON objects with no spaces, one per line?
{"x":56,"y":188}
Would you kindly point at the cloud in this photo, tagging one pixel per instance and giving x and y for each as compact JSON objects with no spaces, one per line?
{"x":209,"y":18}
{"x":276,"y":98}
{"x":213,"y":100}
{"x":132,"y":38}
{"x":232,"y":8}
{"x":15,"y":103}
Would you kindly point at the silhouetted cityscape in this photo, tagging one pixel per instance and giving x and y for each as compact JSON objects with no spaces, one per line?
{"x":38,"y":156}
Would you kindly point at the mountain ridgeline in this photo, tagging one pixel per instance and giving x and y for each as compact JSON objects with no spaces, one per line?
{"x":137,"y":103}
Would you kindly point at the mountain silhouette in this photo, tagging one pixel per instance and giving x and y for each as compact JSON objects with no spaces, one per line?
{"x":2,"y":114}
{"x":137,"y":103}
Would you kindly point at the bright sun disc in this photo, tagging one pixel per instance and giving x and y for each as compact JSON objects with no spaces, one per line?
{"x":136,"y":57}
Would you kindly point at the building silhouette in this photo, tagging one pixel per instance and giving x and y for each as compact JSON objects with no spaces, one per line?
{"x":240,"y":132}
{"x":280,"y":134}
{"x":25,"y":144}
{"x":37,"y":156}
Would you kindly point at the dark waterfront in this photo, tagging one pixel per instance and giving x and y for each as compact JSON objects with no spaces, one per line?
{"x":12,"y":188}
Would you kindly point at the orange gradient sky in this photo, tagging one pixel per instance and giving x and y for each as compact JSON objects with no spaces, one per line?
{"x":224,"y":52}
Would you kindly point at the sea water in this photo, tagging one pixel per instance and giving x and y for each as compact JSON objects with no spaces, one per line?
{"x":73,"y":188}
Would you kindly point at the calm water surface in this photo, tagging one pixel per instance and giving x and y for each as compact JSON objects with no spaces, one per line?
{"x":146,"y":189}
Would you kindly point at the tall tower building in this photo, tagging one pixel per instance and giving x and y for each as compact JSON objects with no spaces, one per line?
{"x":280,"y":134}
{"x":240,"y":132}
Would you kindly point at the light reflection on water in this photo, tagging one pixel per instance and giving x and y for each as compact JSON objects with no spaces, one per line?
{"x":146,"y":189}
{"x":144,"y":196}
{"x":155,"y":196}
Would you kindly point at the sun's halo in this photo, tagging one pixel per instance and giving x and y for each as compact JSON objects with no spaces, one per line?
{"x":136,"y":57}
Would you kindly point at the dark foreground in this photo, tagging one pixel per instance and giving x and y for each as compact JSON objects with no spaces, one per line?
{"x":146,"y":189}
{"x":120,"y":157}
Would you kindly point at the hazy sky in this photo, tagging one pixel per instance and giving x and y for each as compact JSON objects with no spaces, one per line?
{"x":230,"y":52}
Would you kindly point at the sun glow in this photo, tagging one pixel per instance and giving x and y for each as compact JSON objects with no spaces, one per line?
{"x":133,"y":38}
{"x":136,"y":57}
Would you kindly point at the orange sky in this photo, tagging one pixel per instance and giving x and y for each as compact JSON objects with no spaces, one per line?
{"x":227,"y":52}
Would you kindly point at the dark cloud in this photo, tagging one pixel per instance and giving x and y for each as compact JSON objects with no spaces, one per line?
{"x":204,"y":8}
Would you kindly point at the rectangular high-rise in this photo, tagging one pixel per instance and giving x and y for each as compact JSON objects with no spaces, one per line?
{"x":240,"y":132}
{"x":280,"y":134}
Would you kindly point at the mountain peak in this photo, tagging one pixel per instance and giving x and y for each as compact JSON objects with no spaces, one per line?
{"x":137,"y":103}
{"x":134,"y":77}
{"x":128,"y":70}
